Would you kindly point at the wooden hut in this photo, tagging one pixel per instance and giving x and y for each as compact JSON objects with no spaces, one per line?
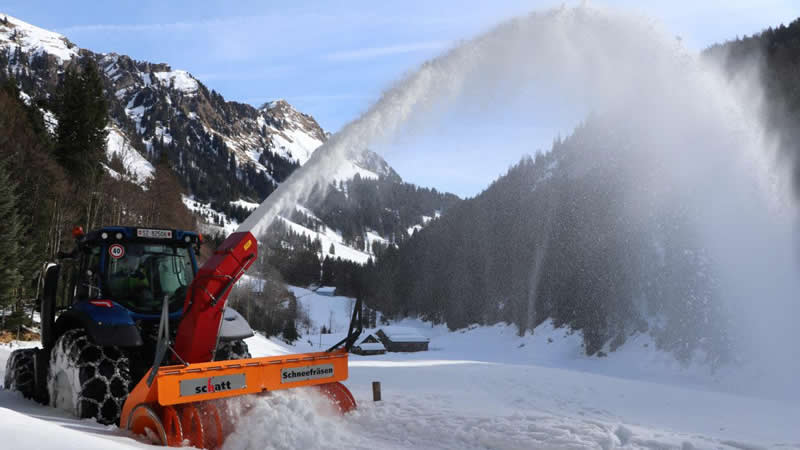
{"x":401,"y":339}
{"x":370,"y":345}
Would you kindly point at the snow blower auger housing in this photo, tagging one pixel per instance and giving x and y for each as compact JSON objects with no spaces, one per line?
{"x":143,"y":338}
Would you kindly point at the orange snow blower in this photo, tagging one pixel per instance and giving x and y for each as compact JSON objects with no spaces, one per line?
{"x":184,"y":400}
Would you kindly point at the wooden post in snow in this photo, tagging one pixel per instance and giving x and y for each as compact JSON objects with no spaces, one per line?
{"x":376,"y":391}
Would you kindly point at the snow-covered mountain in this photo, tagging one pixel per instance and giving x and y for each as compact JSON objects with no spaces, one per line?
{"x":16,"y":34}
{"x":158,"y":108}
{"x":226,"y":153}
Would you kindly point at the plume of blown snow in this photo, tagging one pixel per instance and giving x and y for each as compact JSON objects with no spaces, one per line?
{"x":701,"y":140}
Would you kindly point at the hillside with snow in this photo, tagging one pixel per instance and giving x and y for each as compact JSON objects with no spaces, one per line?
{"x":217,"y":222}
{"x":17,"y":35}
{"x":332,"y":243}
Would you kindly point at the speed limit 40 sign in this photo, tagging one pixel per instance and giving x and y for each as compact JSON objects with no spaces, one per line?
{"x":116,"y":251}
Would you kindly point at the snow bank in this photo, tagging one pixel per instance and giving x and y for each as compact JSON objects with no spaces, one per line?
{"x":262,"y":346}
{"x":23,"y":431}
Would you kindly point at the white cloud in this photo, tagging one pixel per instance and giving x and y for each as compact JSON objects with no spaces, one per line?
{"x":377,"y":52}
{"x":131,"y":27}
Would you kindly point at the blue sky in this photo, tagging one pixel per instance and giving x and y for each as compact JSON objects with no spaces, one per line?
{"x":332,"y":59}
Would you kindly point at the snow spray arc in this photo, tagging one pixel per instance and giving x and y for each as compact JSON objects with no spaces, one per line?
{"x":688,"y":119}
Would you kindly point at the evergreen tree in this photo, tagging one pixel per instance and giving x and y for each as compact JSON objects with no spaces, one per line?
{"x":290,"y":333}
{"x":328,"y":272}
{"x":82,"y":117}
{"x":10,"y":228}
{"x":290,"y":327}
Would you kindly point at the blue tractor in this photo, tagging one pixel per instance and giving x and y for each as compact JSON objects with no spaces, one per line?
{"x":101,"y":305}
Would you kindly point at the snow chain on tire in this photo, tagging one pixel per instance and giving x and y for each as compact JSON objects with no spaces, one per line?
{"x":20,"y":371}
{"x":88,"y":380}
{"x":232,"y":350}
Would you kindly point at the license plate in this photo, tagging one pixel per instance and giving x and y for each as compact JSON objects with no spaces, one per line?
{"x":154,"y":234}
{"x":306,"y":373}
{"x":210,"y":385}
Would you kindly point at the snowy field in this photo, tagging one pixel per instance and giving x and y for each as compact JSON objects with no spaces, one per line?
{"x":481,"y":388}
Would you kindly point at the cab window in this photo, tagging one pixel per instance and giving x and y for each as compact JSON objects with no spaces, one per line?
{"x":145,"y":274}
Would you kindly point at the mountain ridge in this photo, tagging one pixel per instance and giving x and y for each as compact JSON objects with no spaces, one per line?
{"x":153,"y":104}
{"x":226,"y":154}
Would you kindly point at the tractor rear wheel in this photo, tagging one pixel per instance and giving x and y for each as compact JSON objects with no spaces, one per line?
{"x":232,"y":350}
{"x":20,"y":371}
{"x":86,"y":379}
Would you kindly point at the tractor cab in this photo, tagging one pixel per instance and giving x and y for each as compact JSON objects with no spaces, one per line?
{"x":136,"y":268}
{"x":114,"y":283}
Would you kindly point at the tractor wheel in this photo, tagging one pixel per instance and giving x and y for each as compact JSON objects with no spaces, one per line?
{"x":232,"y":350}
{"x":88,"y":380}
{"x":20,"y":371}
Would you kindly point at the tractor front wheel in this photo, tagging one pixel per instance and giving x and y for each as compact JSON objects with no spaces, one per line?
{"x":86,"y":379}
{"x":231,"y":350}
